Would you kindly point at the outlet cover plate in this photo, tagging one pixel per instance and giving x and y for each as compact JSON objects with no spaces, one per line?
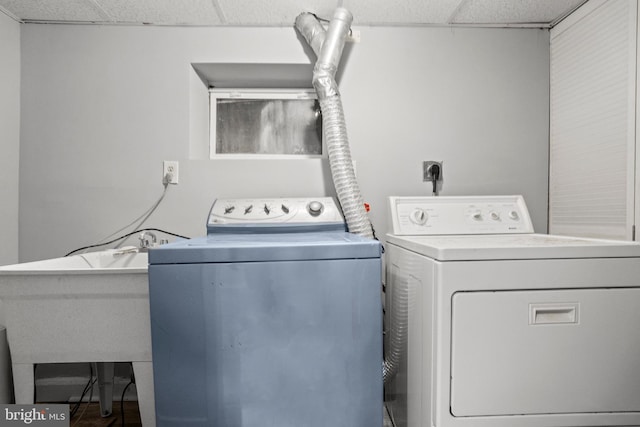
{"x":426,"y":170}
{"x":170,"y":172}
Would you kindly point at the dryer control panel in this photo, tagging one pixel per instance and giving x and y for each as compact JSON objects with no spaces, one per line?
{"x":274,"y":214}
{"x":459,"y":215}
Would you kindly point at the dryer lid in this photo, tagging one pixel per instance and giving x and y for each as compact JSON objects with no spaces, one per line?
{"x":513,"y":247}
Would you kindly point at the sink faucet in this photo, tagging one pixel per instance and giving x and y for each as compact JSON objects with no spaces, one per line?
{"x":147,"y":240}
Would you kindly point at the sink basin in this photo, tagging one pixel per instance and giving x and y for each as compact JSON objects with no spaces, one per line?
{"x":90,"y":307}
{"x":116,"y":261}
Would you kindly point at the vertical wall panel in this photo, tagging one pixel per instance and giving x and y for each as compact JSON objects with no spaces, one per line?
{"x":9,"y":137}
{"x":592,"y":127}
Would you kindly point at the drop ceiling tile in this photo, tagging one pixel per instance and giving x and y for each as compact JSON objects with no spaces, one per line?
{"x":283,"y":12}
{"x":59,"y":10}
{"x":364,"y":12}
{"x":176,"y":12}
{"x":514,"y":11}
{"x":401,"y":12}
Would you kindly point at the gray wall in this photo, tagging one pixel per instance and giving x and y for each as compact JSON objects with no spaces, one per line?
{"x":102,"y":106}
{"x":9,"y":137}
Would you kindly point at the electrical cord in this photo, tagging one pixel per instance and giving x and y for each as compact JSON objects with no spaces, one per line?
{"x":124,"y":236}
{"x":35,"y":389}
{"x":145,"y":215}
{"x":376,"y":237}
{"x":142,"y":218}
{"x":319,"y":18}
{"x":84,"y":391}
{"x":435,"y":175}
{"x":132,"y":381}
{"x":87,"y":405}
{"x":150,"y":211}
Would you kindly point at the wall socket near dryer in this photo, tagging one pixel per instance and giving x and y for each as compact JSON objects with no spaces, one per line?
{"x":428,"y":170}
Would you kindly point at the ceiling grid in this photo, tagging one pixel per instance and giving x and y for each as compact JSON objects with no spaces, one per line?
{"x":282,"y":13}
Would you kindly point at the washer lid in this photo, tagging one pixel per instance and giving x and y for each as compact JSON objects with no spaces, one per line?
{"x":266,"y":247}
{"x":514,"y":246}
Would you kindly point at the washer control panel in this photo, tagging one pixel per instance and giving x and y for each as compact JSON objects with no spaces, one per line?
{"x":459,"y":215}
{"x":273,"y":211}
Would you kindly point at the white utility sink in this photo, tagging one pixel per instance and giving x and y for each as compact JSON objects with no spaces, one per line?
{"x":84,"y":308}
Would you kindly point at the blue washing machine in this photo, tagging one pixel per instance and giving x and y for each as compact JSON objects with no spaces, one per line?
{"x":273,"y":319}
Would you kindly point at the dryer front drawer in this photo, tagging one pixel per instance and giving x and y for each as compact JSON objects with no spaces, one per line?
{"x":545,"y":352}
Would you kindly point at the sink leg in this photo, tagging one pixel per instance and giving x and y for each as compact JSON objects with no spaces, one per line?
{"x":143,"y":372}
{"x":104,"y":372}
{"x":23,"y":383}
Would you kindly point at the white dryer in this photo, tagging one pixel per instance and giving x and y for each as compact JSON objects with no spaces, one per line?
{"x":507,"y":327}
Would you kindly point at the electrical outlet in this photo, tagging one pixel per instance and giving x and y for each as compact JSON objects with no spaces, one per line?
{"x":427,"y":170}
{"x":170,"y":172}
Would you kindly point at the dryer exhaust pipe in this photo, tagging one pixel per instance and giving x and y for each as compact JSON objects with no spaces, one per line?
{"x":328,"y":45}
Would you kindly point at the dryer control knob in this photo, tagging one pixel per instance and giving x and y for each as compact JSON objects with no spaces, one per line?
{"x":419,"y":216}
{"x":514,"y":215}
{"x":315,"y":208}
{"x":495,"y":216}
{"x":477,"y":216}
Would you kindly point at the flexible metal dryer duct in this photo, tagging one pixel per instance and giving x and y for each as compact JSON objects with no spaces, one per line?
{"x":328,"y":46}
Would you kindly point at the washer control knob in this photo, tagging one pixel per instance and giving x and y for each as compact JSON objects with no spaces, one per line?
{"x":419,"y":216}
{"x":514,"y":215}
{"x":315,"y":208}
{"x":495,"y":216}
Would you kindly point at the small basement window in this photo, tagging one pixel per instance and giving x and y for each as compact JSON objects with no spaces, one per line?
{"x":265,"y":123}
